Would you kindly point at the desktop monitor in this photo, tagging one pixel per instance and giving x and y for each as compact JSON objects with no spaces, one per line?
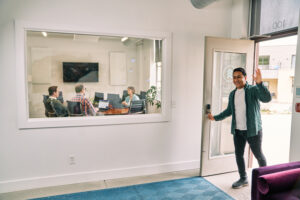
{"x":98,"y":96}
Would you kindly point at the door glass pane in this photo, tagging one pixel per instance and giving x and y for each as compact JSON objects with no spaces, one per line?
{"x":221,"y":141}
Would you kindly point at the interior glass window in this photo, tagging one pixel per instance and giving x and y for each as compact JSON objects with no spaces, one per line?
{"x":71,"y":75}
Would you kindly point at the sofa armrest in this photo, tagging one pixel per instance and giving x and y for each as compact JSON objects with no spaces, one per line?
{"x":278,"y":181}
{"x":257,"y":172}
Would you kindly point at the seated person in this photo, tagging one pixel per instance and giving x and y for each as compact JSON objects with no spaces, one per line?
{"x":131,"y":96}
{"x":55,"y":106}
{"x":87,"y":107}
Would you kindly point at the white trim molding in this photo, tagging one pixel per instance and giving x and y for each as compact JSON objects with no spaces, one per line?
{"x":80,"y":177}
{"x":24,"y":122}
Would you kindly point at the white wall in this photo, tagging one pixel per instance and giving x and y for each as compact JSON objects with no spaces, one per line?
{"x":39,"y":157}
{"x":145,"y":61}
{"x":240,"y":20}
{"x":280,"y":55}
{"x":285,"y":86}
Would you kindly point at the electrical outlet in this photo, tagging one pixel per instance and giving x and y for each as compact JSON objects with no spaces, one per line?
{"x":72,"y":160}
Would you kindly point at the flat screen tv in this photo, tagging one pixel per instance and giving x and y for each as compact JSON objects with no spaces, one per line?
{"x":80,"y":72}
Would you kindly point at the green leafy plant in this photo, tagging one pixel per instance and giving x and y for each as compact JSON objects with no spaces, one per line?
{"x":151,"y":97}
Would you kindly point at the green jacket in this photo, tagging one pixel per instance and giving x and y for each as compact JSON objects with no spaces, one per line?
{"x":253,"y":94}
{"x":54,"y":105}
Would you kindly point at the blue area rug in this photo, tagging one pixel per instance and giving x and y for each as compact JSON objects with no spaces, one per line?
{"x":195,"y":188}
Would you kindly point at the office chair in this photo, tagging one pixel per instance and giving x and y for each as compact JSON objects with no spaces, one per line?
{"x":113,"y":96}
{"x":60,"y":97}
{"x":114,"y":100}
{"x":49,"y":110}
{"x":137,"y":106}
{"x":75,"y":108}
{"x":125,"y":94}
{"x":143,"y":95}
{"x":45,"y":98}
{"x":98,"y":96}
{"x":116,"y":103}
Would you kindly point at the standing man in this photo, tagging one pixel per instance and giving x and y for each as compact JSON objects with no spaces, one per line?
{"x":246,"y":124}
{"x":87,"y":107}
{"x":53,"y":105}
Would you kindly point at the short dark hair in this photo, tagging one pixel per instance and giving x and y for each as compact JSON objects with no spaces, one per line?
{"x":52,"y":89}
{"x":240,"y":69}
{"x":132,"y":89}
{"x":78,"y":88}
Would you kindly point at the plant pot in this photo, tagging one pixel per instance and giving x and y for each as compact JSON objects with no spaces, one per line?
{"x":152,"y":108}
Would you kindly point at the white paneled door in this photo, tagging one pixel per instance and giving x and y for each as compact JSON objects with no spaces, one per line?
{"x":221,"y":57}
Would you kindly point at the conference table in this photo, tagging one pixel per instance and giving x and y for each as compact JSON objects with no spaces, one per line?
{"x":114,"y":111}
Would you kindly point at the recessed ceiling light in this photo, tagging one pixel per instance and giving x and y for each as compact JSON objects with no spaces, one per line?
{"x":124,"y":39}
{"x":44,"y":34}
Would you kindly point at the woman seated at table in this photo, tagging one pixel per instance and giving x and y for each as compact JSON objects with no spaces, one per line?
{"x":131,"y":96}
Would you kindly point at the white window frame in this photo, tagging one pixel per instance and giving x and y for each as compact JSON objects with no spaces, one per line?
{"x":24,"y":122}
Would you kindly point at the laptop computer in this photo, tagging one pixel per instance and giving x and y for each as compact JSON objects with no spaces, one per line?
{"x":103,"y":105}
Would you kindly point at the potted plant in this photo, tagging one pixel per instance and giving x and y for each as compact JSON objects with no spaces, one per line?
{"x":152,"y":104}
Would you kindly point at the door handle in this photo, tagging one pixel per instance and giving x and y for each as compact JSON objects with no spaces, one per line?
{"x":207,"y":108}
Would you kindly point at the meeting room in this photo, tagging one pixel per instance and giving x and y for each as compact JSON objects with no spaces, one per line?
{"x":73,"y":75}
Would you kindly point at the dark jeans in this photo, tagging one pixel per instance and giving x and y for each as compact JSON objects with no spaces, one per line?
{"x":240,"y":139}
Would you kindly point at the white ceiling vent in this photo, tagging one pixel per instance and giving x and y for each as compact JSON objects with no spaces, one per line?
{"x":86,"y":38}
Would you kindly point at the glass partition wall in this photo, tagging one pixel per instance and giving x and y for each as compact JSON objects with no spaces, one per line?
{"x":92,"y":75}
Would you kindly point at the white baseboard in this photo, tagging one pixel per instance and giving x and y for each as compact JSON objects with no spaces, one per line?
{"x":80,"y":177}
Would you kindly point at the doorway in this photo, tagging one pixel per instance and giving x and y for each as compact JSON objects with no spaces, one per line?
{"x":277,"y":60}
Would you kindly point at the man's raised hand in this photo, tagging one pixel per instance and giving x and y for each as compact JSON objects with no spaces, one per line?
{"x":257,"y":78}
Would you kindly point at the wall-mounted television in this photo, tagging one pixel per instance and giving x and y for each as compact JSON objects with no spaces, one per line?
{"x":80,"y":72}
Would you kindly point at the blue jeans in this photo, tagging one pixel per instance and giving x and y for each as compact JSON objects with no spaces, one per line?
{"x":240,"y":138}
